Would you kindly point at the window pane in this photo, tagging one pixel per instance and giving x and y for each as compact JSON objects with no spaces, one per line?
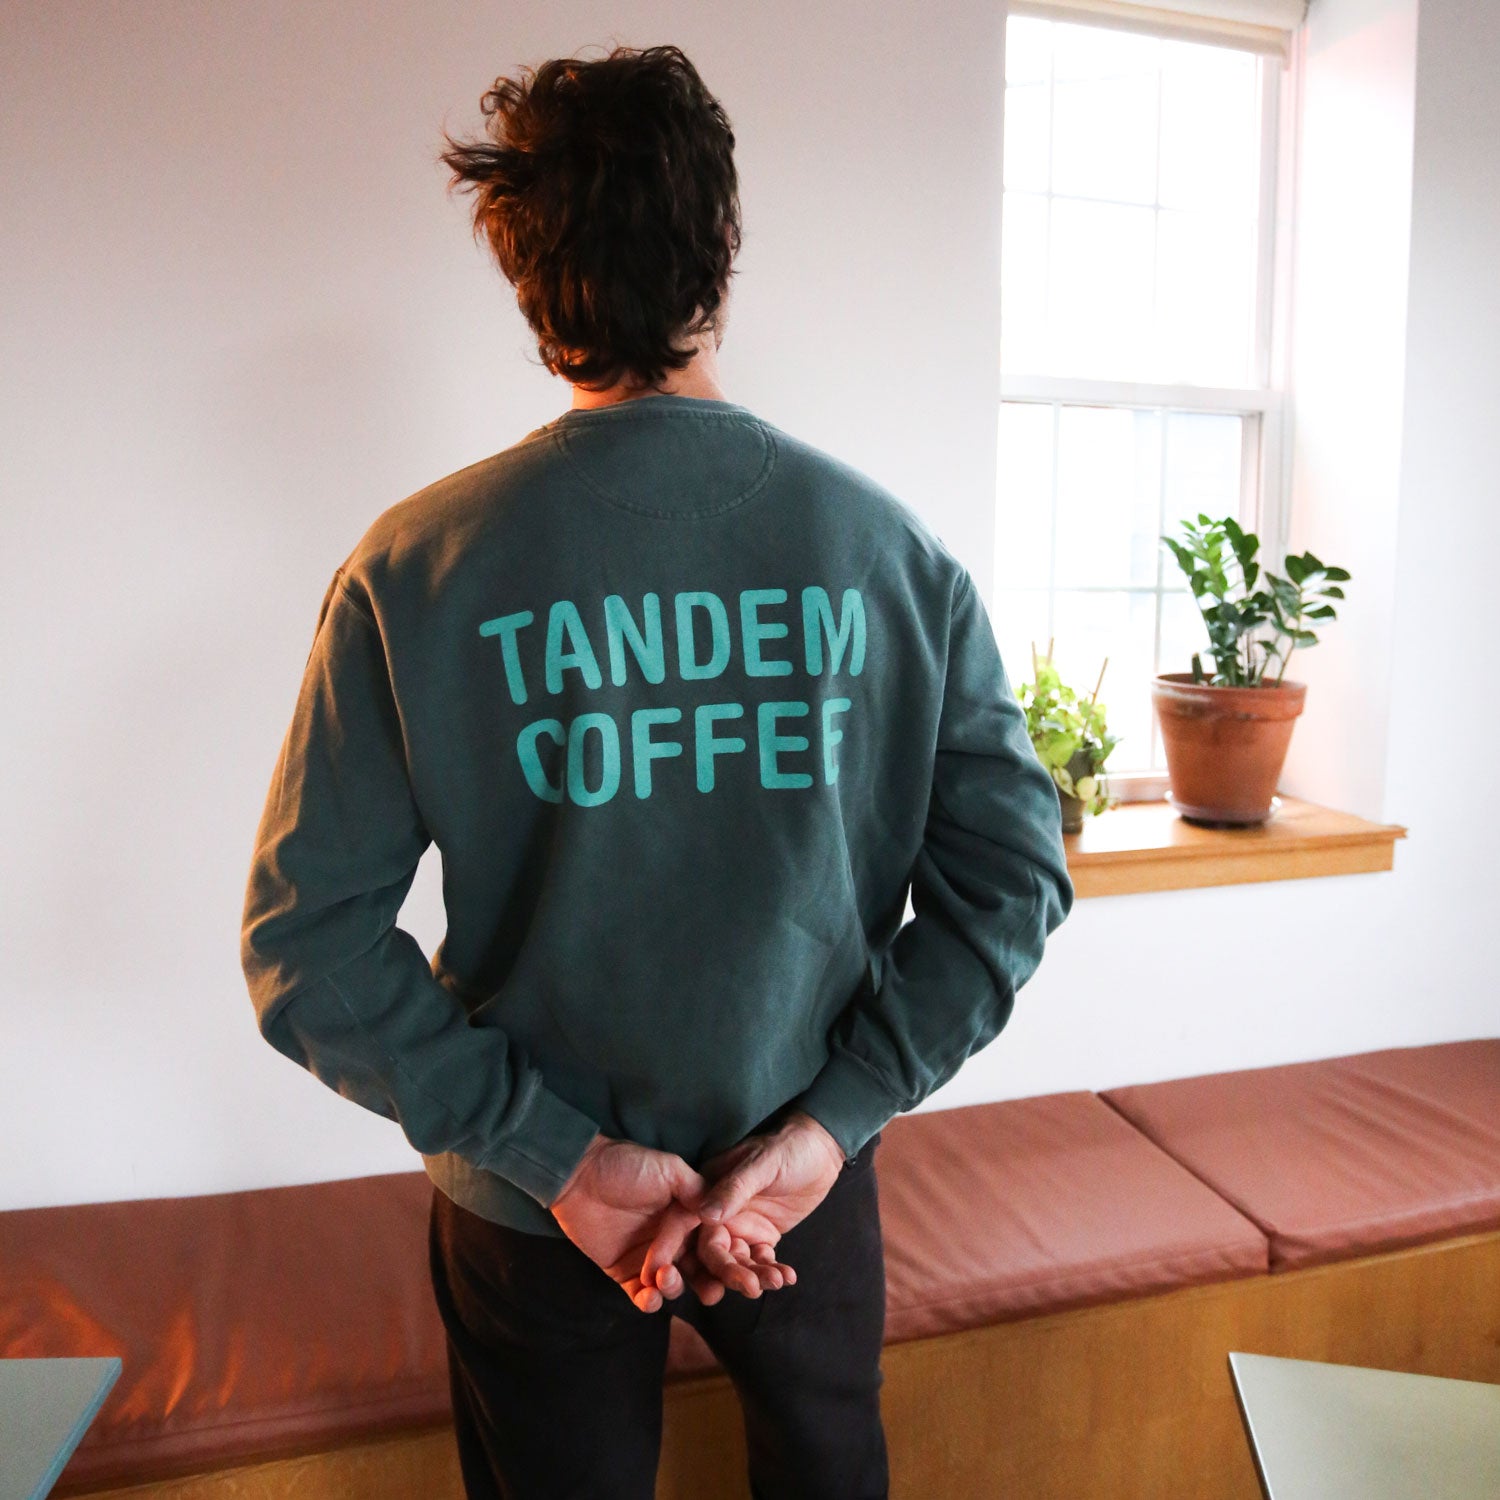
{"x":1023,"y":519}
{"x":1099,"y":304}
{"x":1028,"y":50}
{"x":1027,"y":146}
{"x":1182,"y":631}
{"x":1203,"y":474}
{"x":1104,"y":114}
{"x":1021,"y":617}
{"x":1210,"y":128}
{"x":1082,"y":53}
{"x":1121,"y":626}
{"x":1205,"y":298}
{"x":1108,"y":496}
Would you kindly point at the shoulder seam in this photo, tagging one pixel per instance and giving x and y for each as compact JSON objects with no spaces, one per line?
{"x":341,"y":579}
{"x":966,"y":585}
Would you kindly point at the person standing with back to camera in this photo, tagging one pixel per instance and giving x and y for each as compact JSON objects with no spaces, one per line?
{"x":688,"y":707}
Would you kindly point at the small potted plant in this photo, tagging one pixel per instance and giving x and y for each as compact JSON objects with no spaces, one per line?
{"x":1226,"y":734}
{"x":1070,"y":739}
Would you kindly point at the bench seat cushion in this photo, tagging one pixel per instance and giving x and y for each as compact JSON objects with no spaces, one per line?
{"x":248,"y":1324}
{"x":1341,"y":1156}
{"x":1026,"y":1206}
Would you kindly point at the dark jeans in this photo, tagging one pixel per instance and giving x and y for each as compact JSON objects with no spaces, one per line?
{"x":556,"y":1375}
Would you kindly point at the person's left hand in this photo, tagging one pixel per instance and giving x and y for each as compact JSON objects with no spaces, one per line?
{"x":738,"y":1254}
{"x":622,"y":1197}
{"x":720,"y":1260}
{"x":772,"y":1180}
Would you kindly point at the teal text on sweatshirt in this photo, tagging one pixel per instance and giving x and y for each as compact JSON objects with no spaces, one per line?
{"x":688,"y":706}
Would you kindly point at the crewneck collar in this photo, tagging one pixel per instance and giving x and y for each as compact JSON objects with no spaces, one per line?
{"x":667,"y":456}
{"x":639,"y":405}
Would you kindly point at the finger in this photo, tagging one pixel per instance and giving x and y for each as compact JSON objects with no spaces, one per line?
{"x":766,"y":1266}
{"x":736,"y":1276}
{"x":730,"y":1241}
{"x":709,"y":1289}
{"x":688,"y":1187}
{"x":736,"y":1188}
{"x":761,"y":1258}
{"x":646,"y":1298}
{"x":706,"y":1287}
{"x":765,"y":1254}
{"x":716,"y":1166}
{"x":672,"y":1233}
{"x":770,"y":1273}
{"x":721,"y":1264}
{"x":626,"y":1274}
{"x":714,"y":1245}
{"x":708,"y":1256}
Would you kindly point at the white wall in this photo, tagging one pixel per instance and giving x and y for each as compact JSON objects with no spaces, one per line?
{"x":1346,"y":374}
{"x":1445,"y":713}
{"x":246,"y":319}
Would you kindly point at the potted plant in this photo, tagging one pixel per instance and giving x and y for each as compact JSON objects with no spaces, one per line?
{"x":1070,"y":739}
{"x":1226,"y":734}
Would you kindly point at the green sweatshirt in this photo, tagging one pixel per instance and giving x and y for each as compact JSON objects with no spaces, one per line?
{"x":686,"y":705}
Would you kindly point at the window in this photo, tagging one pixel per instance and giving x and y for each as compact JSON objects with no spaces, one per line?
{"x":1137,"y":251}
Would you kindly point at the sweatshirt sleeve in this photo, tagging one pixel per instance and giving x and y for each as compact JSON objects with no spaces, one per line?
{"x":990,"y":884}
{"x":337,"y":986}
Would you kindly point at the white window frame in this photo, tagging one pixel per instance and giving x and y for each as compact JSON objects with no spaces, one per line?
{"x":1266,"y":468}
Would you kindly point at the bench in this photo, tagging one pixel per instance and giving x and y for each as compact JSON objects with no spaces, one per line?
{"x":1065,"y":1276}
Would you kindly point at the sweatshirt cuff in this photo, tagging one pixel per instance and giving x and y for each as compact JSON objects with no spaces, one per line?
{"x":554,"y":1136}
{"x":849,"y":1102}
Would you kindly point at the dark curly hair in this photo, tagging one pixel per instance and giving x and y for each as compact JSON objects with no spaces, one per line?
{"x":609,"y":197}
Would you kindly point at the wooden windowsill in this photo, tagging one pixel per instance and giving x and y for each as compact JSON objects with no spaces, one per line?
{"x":1147,"y":846}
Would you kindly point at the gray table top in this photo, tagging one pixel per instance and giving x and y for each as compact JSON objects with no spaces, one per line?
{"x":1322,"y":1431}
{"x":46,"y":1406}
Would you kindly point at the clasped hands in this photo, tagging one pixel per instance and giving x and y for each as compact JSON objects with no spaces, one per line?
{"x":653,"y":1224}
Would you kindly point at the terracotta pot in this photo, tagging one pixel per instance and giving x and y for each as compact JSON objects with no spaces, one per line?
{"x":1225,"y":746}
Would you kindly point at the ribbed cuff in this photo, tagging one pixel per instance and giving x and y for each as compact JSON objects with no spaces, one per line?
{"x":553,"y":1137}
{"x":849,"y":1102}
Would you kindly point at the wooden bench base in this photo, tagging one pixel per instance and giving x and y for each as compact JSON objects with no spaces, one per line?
{"x":1126,"y":1401}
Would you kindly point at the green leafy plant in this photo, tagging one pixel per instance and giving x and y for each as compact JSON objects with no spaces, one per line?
{"x":1218,"y":558}
{"x":1061,"y":725}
